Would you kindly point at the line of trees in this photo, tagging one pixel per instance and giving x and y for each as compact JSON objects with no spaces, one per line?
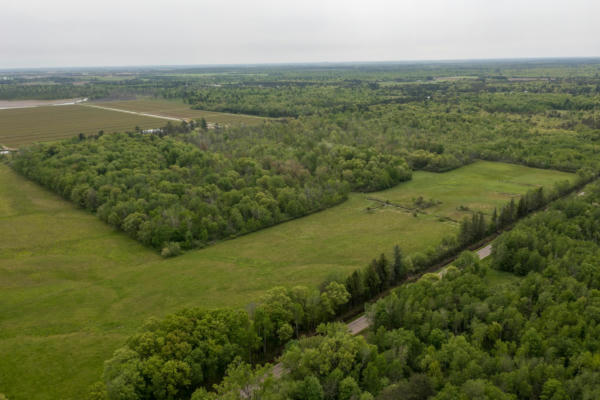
{"x":174,"y":196}
{"x":191,"y":351}
{"x":173,"y":357}
{"x":462,"y":335}
{"x":477,"y":227}
{"x":383,"y":273}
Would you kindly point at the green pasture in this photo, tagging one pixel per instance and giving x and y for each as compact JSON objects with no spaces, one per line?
{"x":73,"y":289}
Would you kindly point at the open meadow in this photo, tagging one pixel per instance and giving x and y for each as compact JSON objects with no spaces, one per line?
{"x":179,"y":109}
{"x":21,"y":126}
{"x":73,"y":289}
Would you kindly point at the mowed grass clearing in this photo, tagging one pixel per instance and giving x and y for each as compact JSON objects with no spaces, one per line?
{"x":179,"y":109}
{"x":73,"y":289}
{"x":481,"y":186}
{"x":21,"y":126}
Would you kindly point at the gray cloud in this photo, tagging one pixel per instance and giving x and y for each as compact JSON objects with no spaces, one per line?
{"x":41,"y":33}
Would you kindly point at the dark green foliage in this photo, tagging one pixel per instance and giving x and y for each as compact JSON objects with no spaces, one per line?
{"x":564,"y":237}
{"x":472,"y":229}
{"x":351,"y":134}
{"x":399,"y":270}
{"x":172,"y":357}
{"x":358,"y":128}
{"x":169,"y":194}
{"x":355,"y":285}
{"x":372,"y":281}
{"x":382,"y":267}
{"x":380,"y":274}
{"x":286,"y":101}
{"x":448,"y":327}
{"x":458,"y":337}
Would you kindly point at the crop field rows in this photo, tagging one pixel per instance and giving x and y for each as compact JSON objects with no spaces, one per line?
{"x":22,"y":126}
{"x":72,"y":284}
{"x":28,"y":125}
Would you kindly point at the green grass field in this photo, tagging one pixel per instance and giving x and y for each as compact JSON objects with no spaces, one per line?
{"x":22,"y":126}
{"x":178,"y":109}
{"x":73,"y":289}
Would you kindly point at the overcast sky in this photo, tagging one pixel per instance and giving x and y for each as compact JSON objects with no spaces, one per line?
{"x":43,"y":33}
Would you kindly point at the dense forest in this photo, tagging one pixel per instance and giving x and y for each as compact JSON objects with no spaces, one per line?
{"x":522,"y":324}
{"x":203,"y":354}
{"x":469,"y":333}
{"x":190,"y":186}
{"x":172,"y":195}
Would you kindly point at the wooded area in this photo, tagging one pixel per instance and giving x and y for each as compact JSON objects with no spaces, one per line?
{"x":522,"y":325}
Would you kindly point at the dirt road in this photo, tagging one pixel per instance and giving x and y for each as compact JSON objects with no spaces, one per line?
{"x":362,"y":323}
{"x":484,"y":252}
{"x":134,"y":112}
{"x":10,"y":104}
{"x":358,"y":325}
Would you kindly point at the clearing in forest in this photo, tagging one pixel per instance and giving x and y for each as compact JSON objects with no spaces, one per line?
{"x":73,"y":289}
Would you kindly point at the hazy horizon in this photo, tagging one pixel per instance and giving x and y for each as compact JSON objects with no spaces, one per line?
{"x":70,"y":34}
{"x":307,"y":63}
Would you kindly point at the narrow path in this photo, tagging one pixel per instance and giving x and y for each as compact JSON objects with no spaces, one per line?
{"x":358,"y":325}
{"x":134,"y":112}
{"x":484,"y":251}
{"x":362,"y":323}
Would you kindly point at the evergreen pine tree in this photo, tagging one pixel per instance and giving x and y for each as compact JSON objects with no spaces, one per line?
{"x":494,"y":225}
{"x":512,"y":211}
{"x":355,"y":286}
{"x":383,"y":271}
{"x":371,"y":279}
{"x":398,"y":268}
{"x":465,"y":231}
{"x":522,"y":206}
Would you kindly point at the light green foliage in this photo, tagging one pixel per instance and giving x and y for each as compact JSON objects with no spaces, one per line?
{"x":71,"y":284}
{"x":553,"y":390}
{"x":324,"y":354}
{"x":335,"y":295}
{"x":309,"y":389}
{"x":460,"y":337}
{"x":169,"y":359}
{"x":169,"y":194}
{"x":349,"y":389}
{"x":242,"y":381}
{"x":172,"y":249}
